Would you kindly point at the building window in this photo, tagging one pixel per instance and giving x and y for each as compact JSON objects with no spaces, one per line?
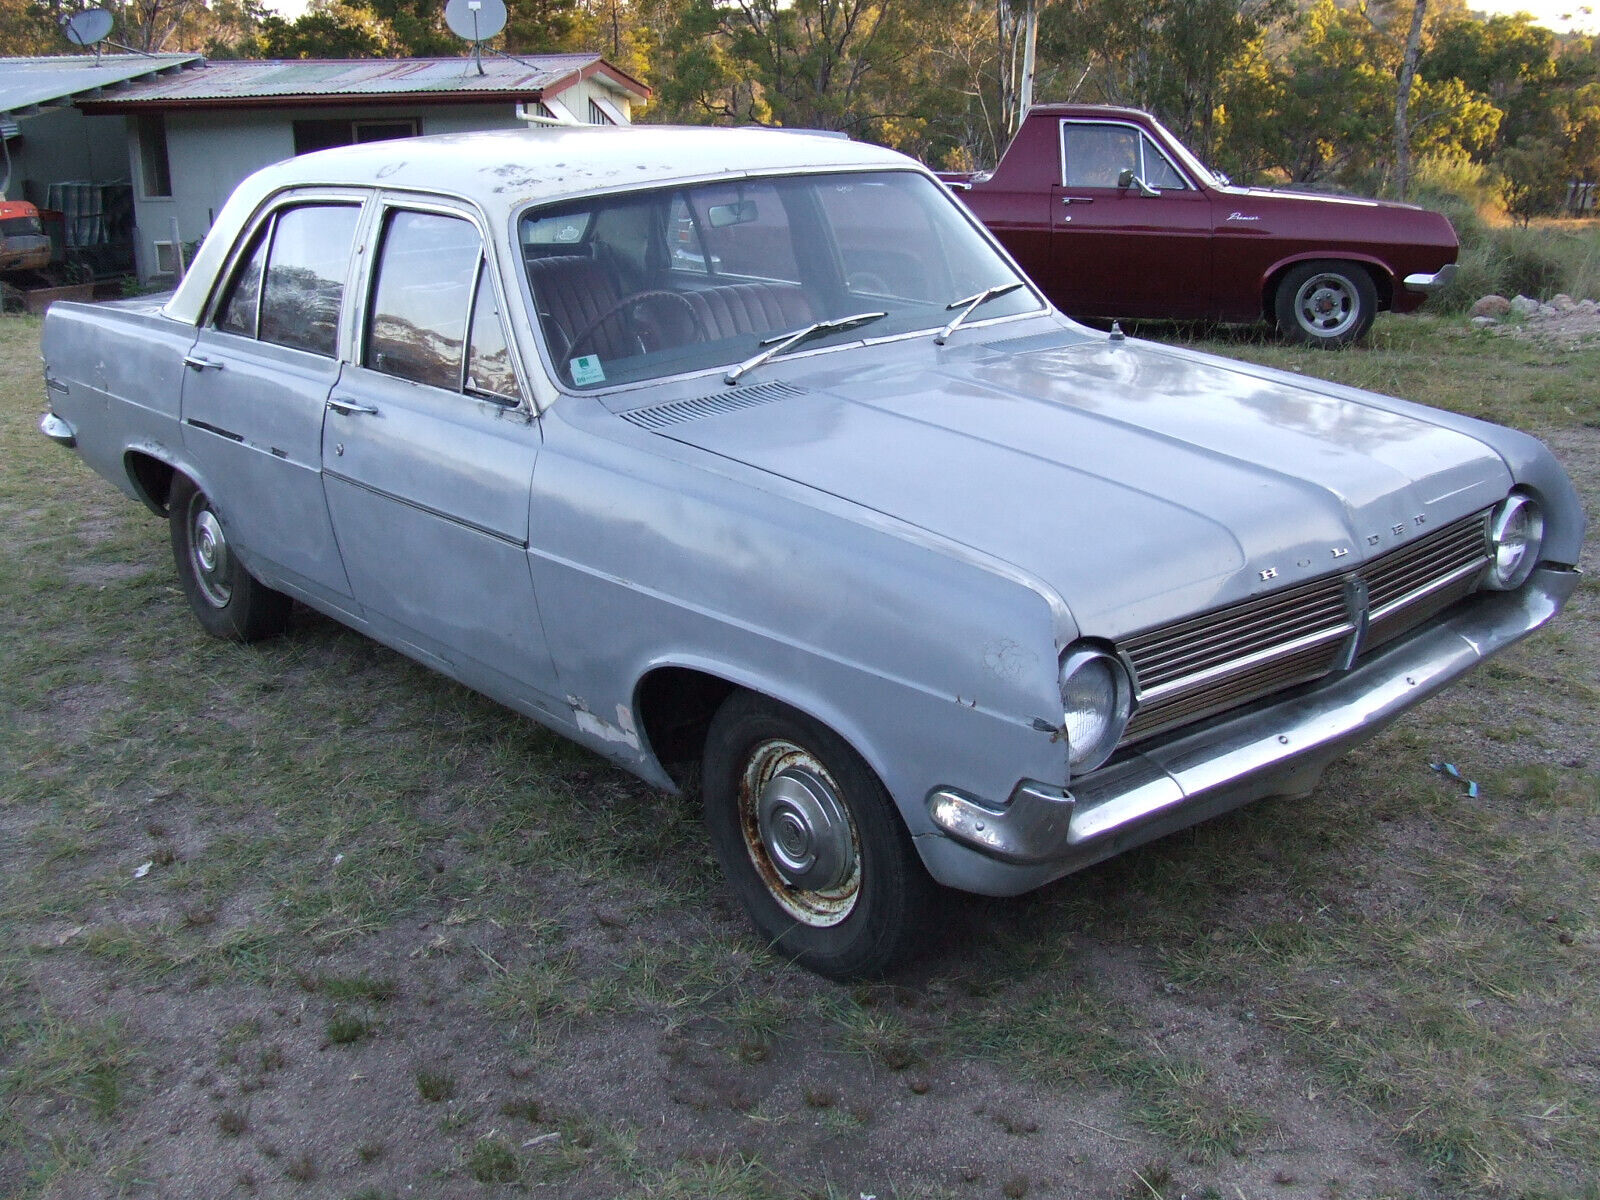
{"x":597,"y":115}
{"x":156,"y":171}
{"x":321,"y":134}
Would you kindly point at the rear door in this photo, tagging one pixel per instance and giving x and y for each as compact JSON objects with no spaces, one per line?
{"x":256,"y":383}
{"x":1116,"y":252}
{"x":428,"y":453}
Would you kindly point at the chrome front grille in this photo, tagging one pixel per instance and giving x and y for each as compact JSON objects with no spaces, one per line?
{"x":1205,"y":665}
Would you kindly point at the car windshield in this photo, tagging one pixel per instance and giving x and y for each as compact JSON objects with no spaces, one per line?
{"x":644,"y":285}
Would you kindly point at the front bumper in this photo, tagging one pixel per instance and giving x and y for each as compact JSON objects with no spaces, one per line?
{"x":1275,"y":748}
{"x":1428,"y":284}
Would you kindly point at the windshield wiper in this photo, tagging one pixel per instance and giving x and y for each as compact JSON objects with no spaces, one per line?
{"x":967,"y":305}
{"x":784,"y":342}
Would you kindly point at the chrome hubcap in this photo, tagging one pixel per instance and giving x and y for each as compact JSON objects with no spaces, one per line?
{"x":799,"y":834}
{"x":1326,"y":305}
{"x":208,"y":552}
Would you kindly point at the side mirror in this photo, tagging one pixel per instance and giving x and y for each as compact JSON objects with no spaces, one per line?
{"x":1127,"y":179}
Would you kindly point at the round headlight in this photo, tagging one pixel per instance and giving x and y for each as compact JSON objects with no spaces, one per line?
{"x":1516,"y":530}
{"x":1095,"y":699}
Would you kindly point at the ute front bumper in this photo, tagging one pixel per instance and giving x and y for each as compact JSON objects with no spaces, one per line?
{"x":1273,"y":748}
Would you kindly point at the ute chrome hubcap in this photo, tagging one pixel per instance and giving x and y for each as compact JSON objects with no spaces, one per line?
{"x":208,"y":552}
{"x":1326,"y":305}
{"x":799,"y":834}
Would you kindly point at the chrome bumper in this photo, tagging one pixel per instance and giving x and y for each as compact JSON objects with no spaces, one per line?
{"x":1267,"y":750}
{"x":57,"y":430}
{"x":1431,"y":283}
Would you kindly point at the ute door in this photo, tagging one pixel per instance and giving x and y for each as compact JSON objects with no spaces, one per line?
{"x":428,"y":452}
{"x":1117,"y":252}
{"x":254,"y":388}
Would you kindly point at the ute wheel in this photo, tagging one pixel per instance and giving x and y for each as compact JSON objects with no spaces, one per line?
{"x":810,"y":841}
{"x":1327,"y":304}
{"x":227,"y":600}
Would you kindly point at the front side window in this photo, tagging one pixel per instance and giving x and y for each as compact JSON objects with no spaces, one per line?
{"x":434,"y":317}
{"x":644,"y":285}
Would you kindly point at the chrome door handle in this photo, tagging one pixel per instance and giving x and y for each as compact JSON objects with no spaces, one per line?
{"x":1077,"y":199}
{"x":350,"y":408}
{"x":195,"y":362}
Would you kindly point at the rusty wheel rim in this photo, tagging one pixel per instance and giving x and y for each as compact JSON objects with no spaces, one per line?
{"x":799,"y":834}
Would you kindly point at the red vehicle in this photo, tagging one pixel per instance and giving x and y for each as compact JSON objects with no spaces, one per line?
{"x":1114,"y":217}
{"x":23,"y":244}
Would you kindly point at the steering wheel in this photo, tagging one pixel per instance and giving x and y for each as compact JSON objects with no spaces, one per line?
{"x":622,"y":306}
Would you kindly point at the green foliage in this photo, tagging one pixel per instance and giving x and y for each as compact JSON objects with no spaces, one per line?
{"x":1533,"y":178}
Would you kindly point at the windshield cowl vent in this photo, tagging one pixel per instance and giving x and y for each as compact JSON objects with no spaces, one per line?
{"x":662,"y":416}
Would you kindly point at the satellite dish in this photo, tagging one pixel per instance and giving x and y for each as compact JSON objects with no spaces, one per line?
{"x":93,"y":25}
{"x":475,"y":20}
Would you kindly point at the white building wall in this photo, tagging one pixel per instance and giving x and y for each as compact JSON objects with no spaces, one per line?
{"x":210,"y":152}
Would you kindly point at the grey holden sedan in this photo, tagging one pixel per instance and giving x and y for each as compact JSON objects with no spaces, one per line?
{"x":751,"y":458}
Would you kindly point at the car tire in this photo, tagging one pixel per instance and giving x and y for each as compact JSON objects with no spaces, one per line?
{"x":226,"y":599}
{"x":811,"y":843}
{"x":1326,"y":304}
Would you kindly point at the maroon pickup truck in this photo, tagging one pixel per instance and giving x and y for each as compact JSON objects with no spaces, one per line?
{"x":1114,"y":217}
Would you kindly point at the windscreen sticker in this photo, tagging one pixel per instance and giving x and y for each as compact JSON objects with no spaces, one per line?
{"x":587,"y":370}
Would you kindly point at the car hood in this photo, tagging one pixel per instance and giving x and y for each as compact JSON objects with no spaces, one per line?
{"x":1140,"y":484}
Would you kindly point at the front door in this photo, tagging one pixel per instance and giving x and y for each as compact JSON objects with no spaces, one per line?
{"x":1118,"y":251}
{"x":428,"y":453}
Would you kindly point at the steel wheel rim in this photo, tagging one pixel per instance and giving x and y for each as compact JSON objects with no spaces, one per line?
{"x":796,"y":788}
{"x":209,"y":558}
{"x":1327,"y":305}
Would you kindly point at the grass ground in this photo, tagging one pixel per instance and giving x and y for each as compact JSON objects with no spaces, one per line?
{"x":305,"y":919}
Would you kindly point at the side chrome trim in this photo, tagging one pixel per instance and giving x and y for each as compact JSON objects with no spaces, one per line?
{"x":58,"y":430}
{"x":1272,"y":750}
{"x":484,"y":530}
{"x":1431,"y":283}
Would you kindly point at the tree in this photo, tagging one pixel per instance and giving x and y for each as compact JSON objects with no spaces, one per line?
{"x":1533,"y":179}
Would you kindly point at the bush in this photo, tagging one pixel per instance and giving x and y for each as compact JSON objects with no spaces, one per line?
{"x":1538,"y":261}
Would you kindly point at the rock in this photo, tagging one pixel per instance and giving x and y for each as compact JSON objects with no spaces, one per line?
{"x":1484,"y":322}
{"x":1524,"y":306}
{"x":1491,"y":306}
{"x":1562,"y":302}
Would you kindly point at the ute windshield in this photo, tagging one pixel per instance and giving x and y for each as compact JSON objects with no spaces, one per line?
{"x":644,"y":285}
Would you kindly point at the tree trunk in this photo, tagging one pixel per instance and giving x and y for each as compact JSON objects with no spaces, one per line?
{"x":1402,"y":101}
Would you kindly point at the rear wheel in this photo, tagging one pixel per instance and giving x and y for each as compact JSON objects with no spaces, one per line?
{"x":227,"y":600}
{"x":1327,"y":304}
{"x":810,"y":841}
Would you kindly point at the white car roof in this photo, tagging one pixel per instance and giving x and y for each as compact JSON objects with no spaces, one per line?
{"x":503,"y":170}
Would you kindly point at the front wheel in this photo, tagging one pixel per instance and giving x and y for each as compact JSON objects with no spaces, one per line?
{"x":1327,"y":304}
{"x":227,"y":600}
{"x":810,"y":841}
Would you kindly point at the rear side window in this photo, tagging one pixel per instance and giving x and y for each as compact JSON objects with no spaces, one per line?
{"x":289,"y":288}
{"x":434,"y":318}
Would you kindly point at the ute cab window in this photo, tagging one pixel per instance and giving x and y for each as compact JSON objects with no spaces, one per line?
{"x":1096,"y":153}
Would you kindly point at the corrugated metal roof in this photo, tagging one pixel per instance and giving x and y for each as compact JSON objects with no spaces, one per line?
{"x":256,"y":80}
{"x":32,"y":83}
